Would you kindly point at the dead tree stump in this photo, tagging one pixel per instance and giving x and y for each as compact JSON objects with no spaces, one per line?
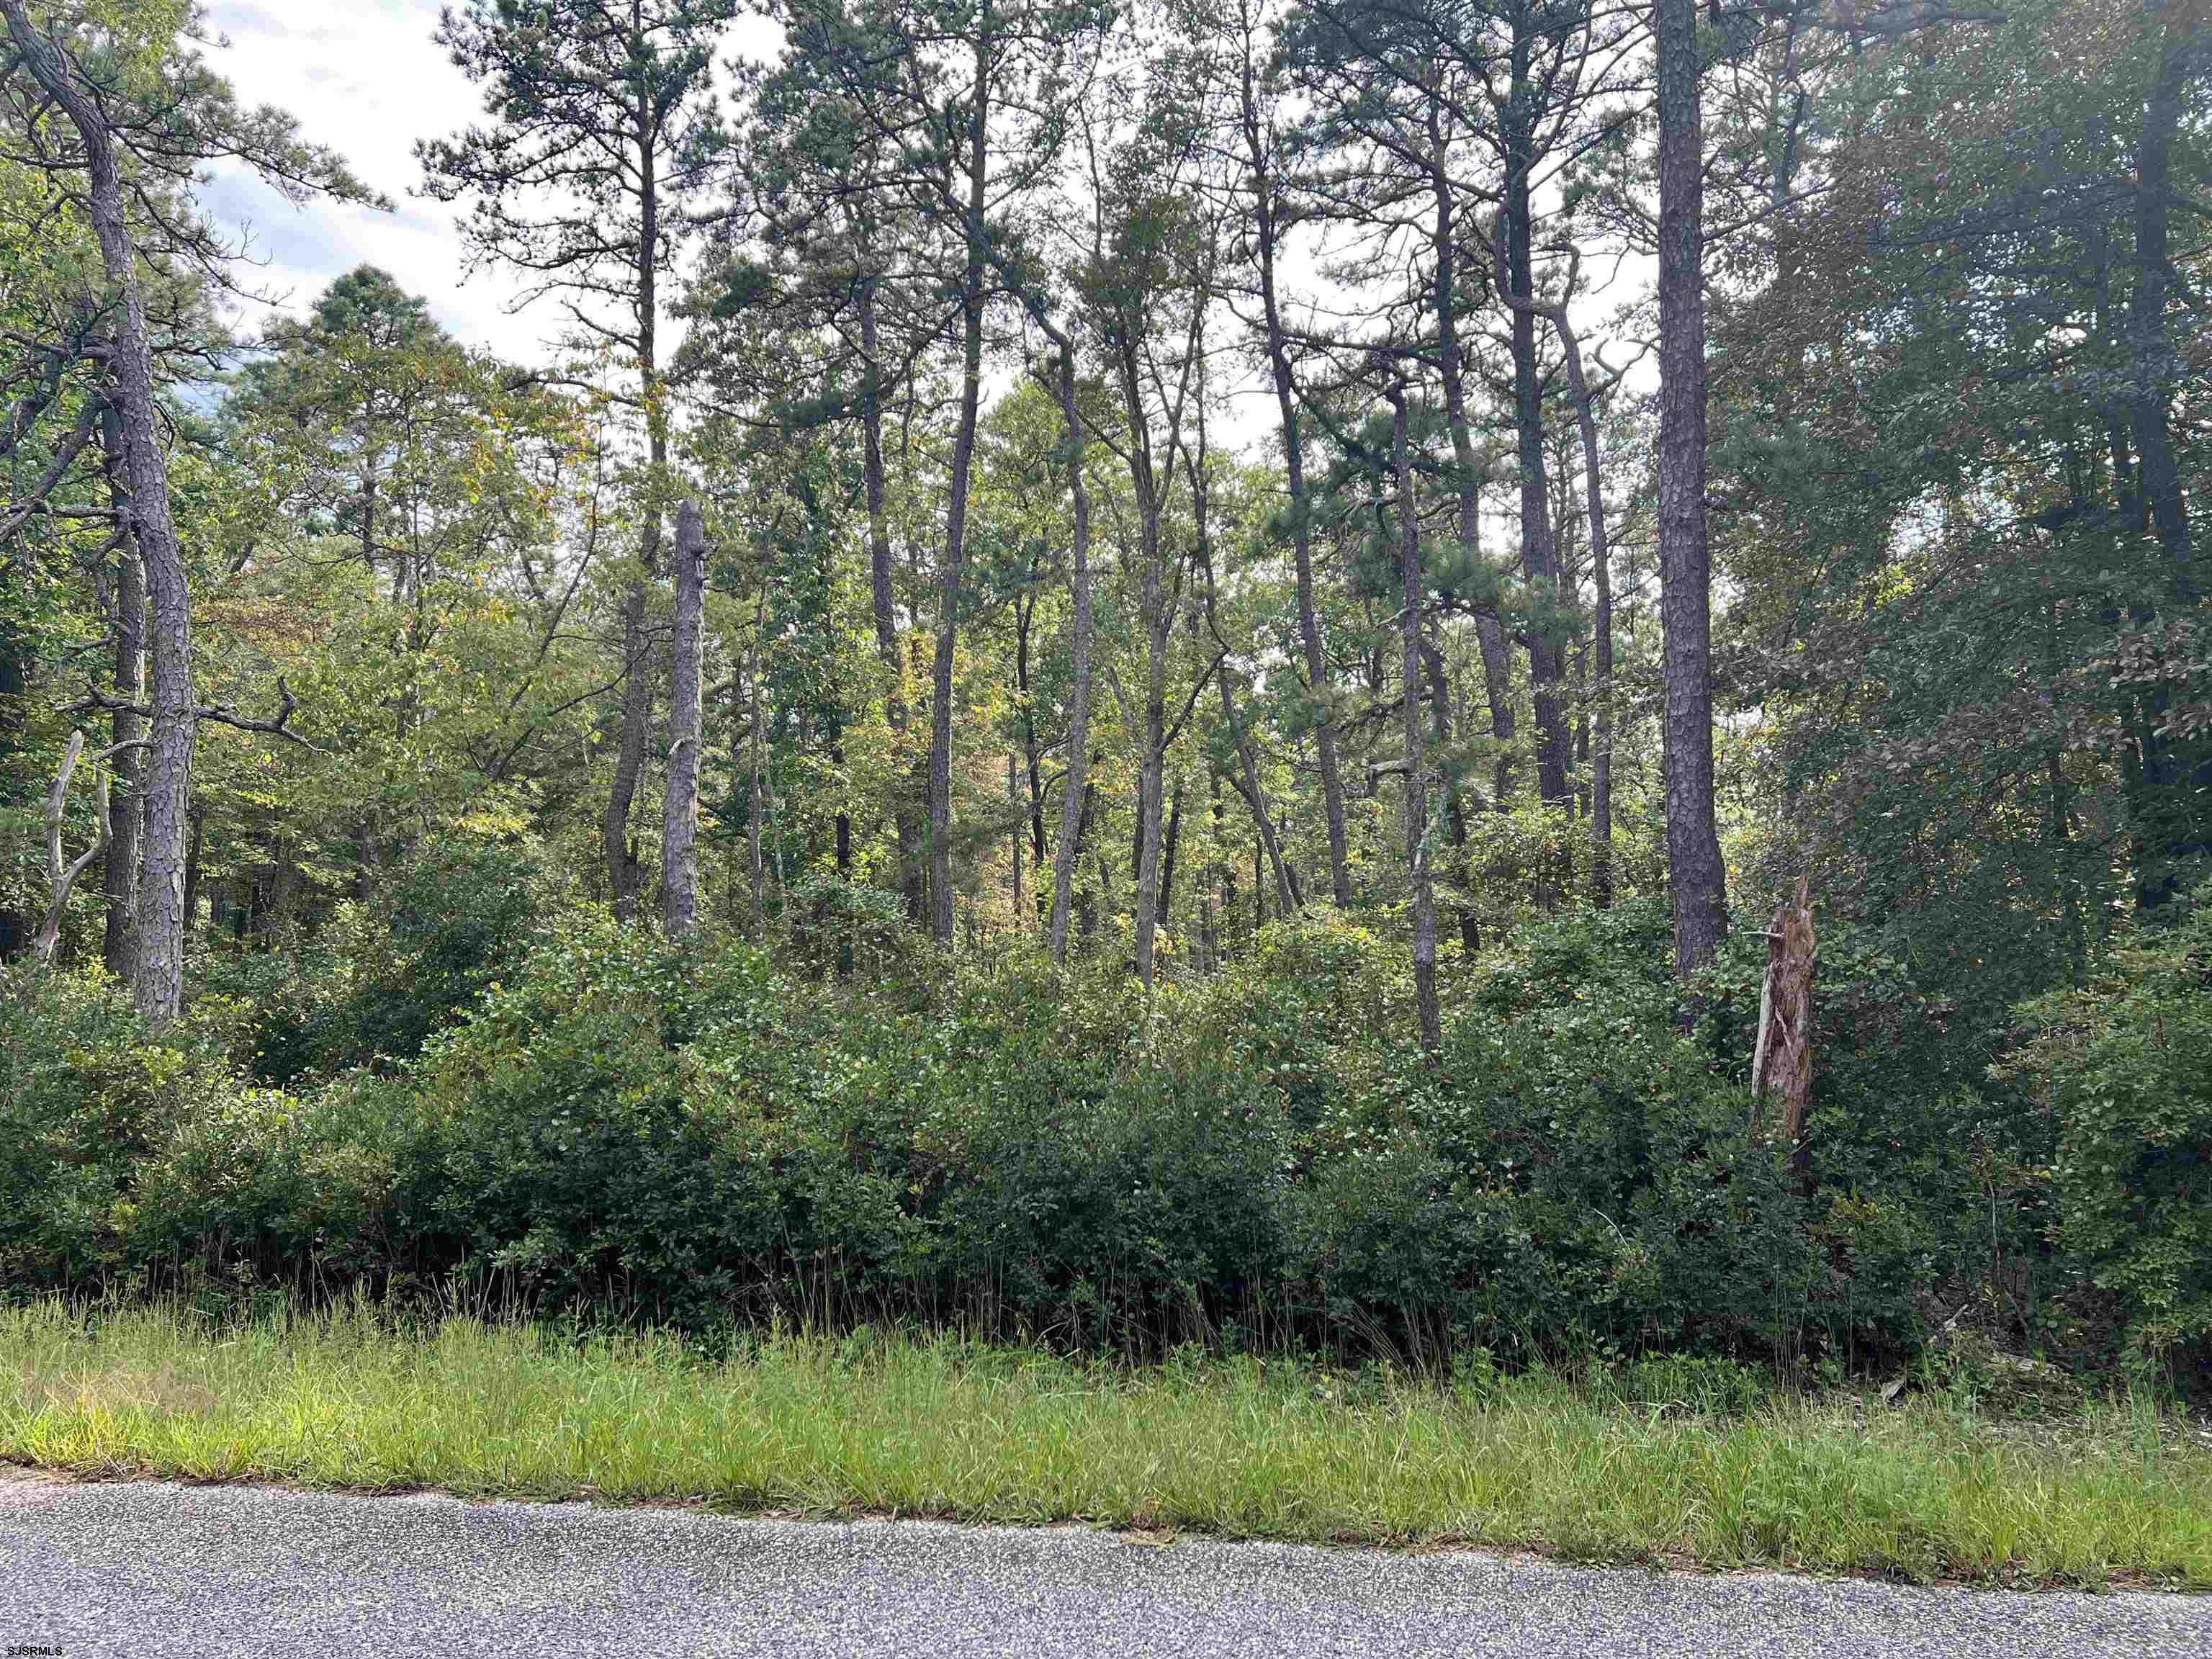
{"x":1782,"y":1059}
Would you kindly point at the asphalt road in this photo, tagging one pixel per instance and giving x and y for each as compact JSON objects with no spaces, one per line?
{"x":144,"y":1569}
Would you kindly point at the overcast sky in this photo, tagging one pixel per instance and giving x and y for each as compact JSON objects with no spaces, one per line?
{"x":364,"y":77}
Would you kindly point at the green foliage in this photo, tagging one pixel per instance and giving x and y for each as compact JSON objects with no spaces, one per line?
{"x":2126,"y":1063}
{"x":390,"y":971}
{"x":1261,"y":1157}
{"x":90,"y":1097}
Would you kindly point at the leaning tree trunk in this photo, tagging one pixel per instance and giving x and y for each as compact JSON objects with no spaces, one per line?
{"x":679,"y":818}
{"x":61,"y":877}
{"x":1417,"y":804}
{"x":1696,"y":879}
{"x":158,"y":970}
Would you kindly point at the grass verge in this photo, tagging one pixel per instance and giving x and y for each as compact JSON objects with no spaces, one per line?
{"x":1236,"y":1447}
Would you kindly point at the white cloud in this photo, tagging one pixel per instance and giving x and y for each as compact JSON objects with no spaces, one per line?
{"x":364,"y":77}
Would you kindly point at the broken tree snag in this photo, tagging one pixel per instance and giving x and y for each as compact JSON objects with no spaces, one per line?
{"x":1782,"y":1057}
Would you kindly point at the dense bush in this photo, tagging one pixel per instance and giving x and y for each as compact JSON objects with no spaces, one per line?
{"x":90,"y":1101}
{"x":584,"y":1113}
{"x":2124,"y":1064}
{"x":371,"y":988}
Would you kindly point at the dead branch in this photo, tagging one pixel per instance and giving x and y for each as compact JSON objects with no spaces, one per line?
{"x":222,"y":714}
{"x":60,"y":878}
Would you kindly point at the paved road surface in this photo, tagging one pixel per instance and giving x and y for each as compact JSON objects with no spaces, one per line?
{"x":146,"y":1569}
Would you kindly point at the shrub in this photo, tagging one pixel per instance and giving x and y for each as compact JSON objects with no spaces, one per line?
{"x":596,"y":1116}
{"x":600,"y":1123}
{"x":87,"y":1096}
{"x":384,"y":976}
{"x":2127,"y":1060}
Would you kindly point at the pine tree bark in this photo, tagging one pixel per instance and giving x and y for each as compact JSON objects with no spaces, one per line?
{"x":157,"y":971}
{"x":1696,"y":879}
{"x":679,"y":818}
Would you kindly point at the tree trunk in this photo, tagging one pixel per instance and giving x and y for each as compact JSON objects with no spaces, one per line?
{"x":2168,"y":816}
{"x":1279,"y":364}
{"x":1432,"y":657}
{"x":1490,"y":633}
{"x":623,"y":875}
{"x":1032,"y":761}
{"x":754,"y":808}
{"x":126,"y":805}
{"x":14,"y":929}
{"x":1152,"y":772}
{"x":1538,"y":554}
{"x":1601,"y":824}
{"x":60,"y":876}
{"x":1087,"y":902}
{"x":1074,"y":800}
{"x":1696,"y":879}
{"x":157,"y":978}
{"x":1168,"y":856}
{"x":913,"y":882}
{"x":955,"y":515}
{"x":2156,"y":370}
{"x":1247,"y":761}
{"x":1014,"y":845}
{"x":679,"y":816}
{"x":1416,"y":804}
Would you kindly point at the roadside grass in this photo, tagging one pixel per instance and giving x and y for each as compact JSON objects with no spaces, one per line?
{"x":1244,"y":1448}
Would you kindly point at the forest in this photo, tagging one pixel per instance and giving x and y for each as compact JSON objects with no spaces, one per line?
{"x":1133,"y":674}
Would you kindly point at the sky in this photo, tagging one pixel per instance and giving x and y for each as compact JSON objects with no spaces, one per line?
{"x":364,"y":77}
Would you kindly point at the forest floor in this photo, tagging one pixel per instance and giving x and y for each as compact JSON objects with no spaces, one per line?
{"x":1680,"y":1464}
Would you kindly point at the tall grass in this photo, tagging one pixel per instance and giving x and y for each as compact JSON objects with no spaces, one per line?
{"x":1238,"y":1447}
